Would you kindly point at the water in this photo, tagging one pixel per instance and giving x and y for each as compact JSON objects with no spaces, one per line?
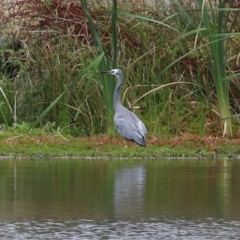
{"x":99,"y":199}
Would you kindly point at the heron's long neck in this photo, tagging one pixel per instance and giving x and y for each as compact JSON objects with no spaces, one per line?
{"x":116,"y":97}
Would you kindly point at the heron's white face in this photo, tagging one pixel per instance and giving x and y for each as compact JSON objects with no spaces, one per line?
{"x":115,"y":72}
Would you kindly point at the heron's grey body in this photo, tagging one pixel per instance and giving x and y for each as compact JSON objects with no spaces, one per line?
{"x":126,"y":122}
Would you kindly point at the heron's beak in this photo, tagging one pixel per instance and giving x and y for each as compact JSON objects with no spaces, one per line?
{"x":104,"y":72}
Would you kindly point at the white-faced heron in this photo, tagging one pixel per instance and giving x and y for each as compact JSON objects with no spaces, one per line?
{"x":126,"y":122}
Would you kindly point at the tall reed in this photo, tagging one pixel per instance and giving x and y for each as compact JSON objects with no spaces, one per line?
{"x":218,"y":25}
{"x":108,"y":62}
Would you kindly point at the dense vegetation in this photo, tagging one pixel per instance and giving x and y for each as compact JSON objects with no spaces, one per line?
{"x":181,"y":65}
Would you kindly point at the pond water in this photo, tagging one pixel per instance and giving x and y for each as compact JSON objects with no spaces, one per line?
{"x":119,"y":199}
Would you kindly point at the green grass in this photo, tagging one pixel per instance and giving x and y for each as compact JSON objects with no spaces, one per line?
{"x":43,"y":146}
{"x":37,"y":143}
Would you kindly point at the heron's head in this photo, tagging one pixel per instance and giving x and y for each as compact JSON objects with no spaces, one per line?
{"x":116,"y":72}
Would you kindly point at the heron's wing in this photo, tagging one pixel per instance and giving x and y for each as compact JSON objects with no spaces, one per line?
{"x":135,"y":122}
{"x":129,"y":125}
{"x":140,"y":126}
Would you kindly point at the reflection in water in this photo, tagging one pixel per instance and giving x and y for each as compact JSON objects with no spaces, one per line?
{"x":129,"y":191}
{"x":14,"y":181}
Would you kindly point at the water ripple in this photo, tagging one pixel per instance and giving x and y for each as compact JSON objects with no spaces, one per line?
{"x":151,"y":229}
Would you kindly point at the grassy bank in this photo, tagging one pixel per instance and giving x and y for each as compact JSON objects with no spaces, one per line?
{"x":181,"y":67}
{"x":16,"y":143}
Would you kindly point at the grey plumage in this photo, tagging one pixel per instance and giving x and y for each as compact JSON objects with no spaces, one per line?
{"x":126,"y":122}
